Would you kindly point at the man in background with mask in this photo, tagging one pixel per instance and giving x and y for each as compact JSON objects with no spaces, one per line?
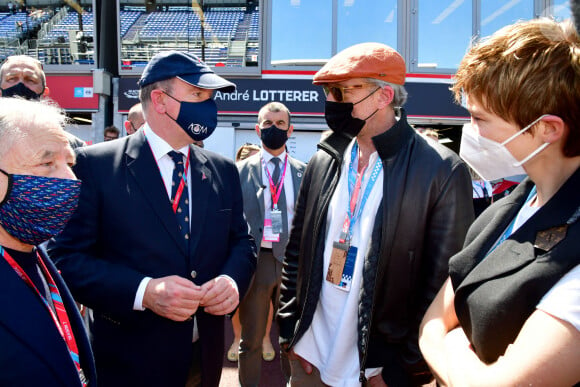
{"x":159,"y":294}
{"x":42,"y":337}
{"x":135,"y":119}
{"x":379,"y":213}
{"x":270,"y":181}
{"x":23,"y":76}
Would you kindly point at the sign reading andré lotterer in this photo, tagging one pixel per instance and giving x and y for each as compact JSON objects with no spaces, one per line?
{"x":426,"y":99}
{"x":299,"y":95}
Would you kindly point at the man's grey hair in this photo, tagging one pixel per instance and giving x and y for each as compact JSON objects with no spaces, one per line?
{"x":273,"y":107}
{"x":20,"y":118}
{"x":400,"y":94}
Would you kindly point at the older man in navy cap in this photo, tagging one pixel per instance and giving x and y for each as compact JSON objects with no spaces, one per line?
{"x":159,"y":294}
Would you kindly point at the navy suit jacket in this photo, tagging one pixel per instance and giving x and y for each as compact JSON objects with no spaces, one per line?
{"x":125,"y":229}
{"x":32,"y":351}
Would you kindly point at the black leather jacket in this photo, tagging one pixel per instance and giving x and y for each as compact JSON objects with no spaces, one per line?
{"x":424,"y":215}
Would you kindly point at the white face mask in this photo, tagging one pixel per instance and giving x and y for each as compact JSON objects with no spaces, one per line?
{"x":491,"y":159}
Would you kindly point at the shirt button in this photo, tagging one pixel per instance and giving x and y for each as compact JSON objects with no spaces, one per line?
{"x":193,"y":274}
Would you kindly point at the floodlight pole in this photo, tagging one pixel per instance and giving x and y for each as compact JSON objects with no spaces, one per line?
{"x":202,"y":31}
{"x":80,"y":21}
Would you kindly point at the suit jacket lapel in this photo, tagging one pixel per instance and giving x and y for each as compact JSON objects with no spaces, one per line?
{"x":256,"y":176}
{"x":505,"y":255}
{"x":296,"y":176}
{"x":200,"y":178}
{"x":143,"y":167}
{"x":518,"y":250}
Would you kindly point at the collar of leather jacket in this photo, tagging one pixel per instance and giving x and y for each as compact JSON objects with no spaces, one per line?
{"x":387,"y":143}
{"x":391,"y":141}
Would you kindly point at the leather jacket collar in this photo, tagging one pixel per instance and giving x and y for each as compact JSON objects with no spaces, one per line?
{"x":388,"y":143}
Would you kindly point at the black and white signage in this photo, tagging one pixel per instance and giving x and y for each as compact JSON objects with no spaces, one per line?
{"x":305,"y":99}
{"x":299,"y":95}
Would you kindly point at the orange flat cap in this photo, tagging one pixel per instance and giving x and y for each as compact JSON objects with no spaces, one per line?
{"x":364,"y":60}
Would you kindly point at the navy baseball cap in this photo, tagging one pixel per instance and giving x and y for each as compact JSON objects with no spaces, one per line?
{"x":185,"y":66}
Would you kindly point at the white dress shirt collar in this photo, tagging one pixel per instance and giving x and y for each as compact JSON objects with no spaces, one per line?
{"x":267,"y":156}
{"x":159,"y":146}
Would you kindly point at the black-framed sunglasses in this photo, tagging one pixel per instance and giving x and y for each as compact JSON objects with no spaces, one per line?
{"x":134,"y":127}
{"x":338,"y":91}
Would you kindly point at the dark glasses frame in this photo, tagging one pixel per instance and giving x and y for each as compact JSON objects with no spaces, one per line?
{"x":338,"y":91}
{"x":136,"y":128}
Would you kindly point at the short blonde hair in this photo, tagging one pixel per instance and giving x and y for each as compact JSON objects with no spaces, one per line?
{"x":246,"y":151}
{"x":525,"y":70}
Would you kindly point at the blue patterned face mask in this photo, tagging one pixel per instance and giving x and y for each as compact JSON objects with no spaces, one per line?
{"x":37,"y":208}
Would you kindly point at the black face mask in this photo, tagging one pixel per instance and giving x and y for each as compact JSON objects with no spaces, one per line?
{"x":273,"y":138}
{"x":20,"y":90}
{"x":339,"y":117}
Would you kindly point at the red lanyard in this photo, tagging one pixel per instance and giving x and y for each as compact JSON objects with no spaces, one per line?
{"x":353,"y":200}
{"x":276,"y":187}
{"x":60,"y":319}
{"x":354,"y":187}
{"x":183,"y":181}
{"x":181,"y":184}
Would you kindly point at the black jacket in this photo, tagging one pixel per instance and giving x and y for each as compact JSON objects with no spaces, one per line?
{"x":495,"y":293}
{"x":424,"y":214}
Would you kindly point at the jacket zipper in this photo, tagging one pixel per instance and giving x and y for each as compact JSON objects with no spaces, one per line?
{"x":362,"y":377}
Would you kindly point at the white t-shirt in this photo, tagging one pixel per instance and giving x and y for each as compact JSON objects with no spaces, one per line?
{"x":563,"y":300}
{"x":330,"y":343}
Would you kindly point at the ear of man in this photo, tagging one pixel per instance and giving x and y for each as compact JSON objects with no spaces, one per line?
{"x":158,"y":98}
{"x":387,"y":94}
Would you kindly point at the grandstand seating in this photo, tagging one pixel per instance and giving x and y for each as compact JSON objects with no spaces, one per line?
{"x":186,"y":25}
{"x":128,"y":18}
{"x":254,"y":27}
{"x":14,"y":26}
{"x":180,"y":28}
{"x":59,"y":33}
{"x":142,"y":35}
{"x":5,"y":52}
